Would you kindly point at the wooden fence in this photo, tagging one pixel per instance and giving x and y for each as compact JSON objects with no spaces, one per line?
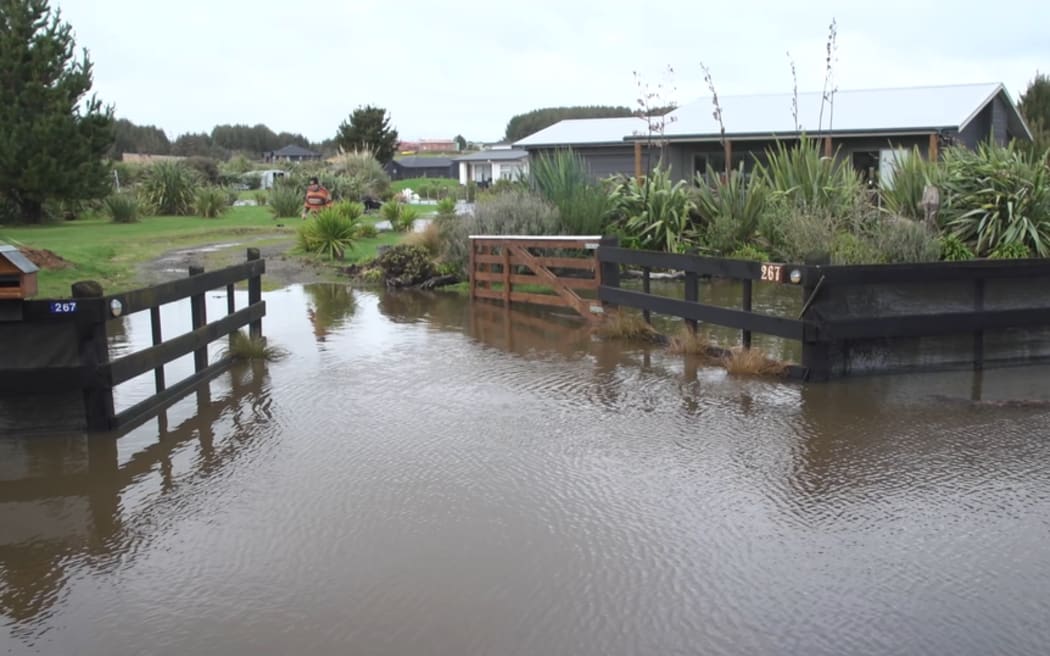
{"x":79,"y":358}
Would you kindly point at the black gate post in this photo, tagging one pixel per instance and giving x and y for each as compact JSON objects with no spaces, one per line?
{"x":199,"y":316}
{"x":93,"y":348}
{"x":254,"y":295}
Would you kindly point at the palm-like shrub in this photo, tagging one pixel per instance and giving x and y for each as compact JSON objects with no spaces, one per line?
{"x":350,"y":210}
{"x":563,"y":178}
{"x":655,"y":213}
{"x":730,"y":207}
{"x":902,"y":196}
{"x":122,"y":208}
{"x":211,"y":202}
{"x":285,"y":202}
{"x":996,"y":196}
{"x":400,"y":215}
{"x":365,"y":170}
{"x":169,"y":188}
{"x":329,"y":233}
{"x":806,"y":179}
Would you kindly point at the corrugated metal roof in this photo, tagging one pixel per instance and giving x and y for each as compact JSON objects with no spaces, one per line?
{"x":495,"y":155}
{"x":294,"y":150}
{"x":15,"y":257}
{"x":862,"y":111}
{"x":584,"y":131}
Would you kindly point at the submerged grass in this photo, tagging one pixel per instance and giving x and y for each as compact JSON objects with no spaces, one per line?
{"x":245,"y":348}
{"x":739,"y":361}
{"x":629,"y":326}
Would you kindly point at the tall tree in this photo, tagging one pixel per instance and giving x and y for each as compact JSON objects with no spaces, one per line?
{"x":1035,"y":106}
{"x":53,"y":140}
{"x":142,"y":139}
{"x":461,"y":142}
{"x":369,"y":129}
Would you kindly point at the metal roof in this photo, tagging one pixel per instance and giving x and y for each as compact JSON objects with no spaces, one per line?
{"x":585,"y":131}
{"x":871,"y":111}
{"x":15,"y":257}
{"x":494,"y":155}
{"x":423,"y":162}
{"x":294,"y":150}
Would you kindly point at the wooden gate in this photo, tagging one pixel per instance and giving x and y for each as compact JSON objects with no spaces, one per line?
{"x":553,"y":271}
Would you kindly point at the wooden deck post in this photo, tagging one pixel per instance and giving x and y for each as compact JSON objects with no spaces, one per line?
{"x":254,"y":295}
{"x":935,"y":145}
{"x":199,"y":315}
{"x":729,"y":157}
{"x":93,"y":348}
{"x":827,"y":147}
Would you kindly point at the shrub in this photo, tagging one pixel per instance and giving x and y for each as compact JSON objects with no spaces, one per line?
{"x":807,"y":180}
{"x":655,"y":213}
{"x":367,"y":174}
{"x":366,"y":231}
{"x":731,"y":207}
{"x":285,"y":202}
{"x":902,"y":196}
{"x":447,"y":206}
{"x":954,"y":250}
{"x":122,"y":208}
{"x":751,"y":253}
{"x":168,"y":188}
{"x":405,"y":265}
{"x":206,"y":167}
{"x":400,"y":216}
{"x":253,"y":182}
{"x":751,"y":362}
{"x":903,"y":240}
{"x":1014,"y":251}
{"x":328,"y":233}
{"x":350,"y":210}
{"x":848,"y":248}
{"x":210,"y":202}
{"x":261,"y":197}
{"x":994,"y":196}
{"x":514,"y":213}
{"x":428,"y":239}
{"x":564,"y":180}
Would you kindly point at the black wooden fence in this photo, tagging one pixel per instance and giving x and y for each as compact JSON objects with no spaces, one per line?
{"x":867,"y":319}
{"x":75,"y":354}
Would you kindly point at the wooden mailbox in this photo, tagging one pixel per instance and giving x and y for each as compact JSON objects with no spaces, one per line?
{"x":17,"y":274}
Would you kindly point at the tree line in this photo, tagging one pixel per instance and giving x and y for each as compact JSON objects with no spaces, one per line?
{"x":223,"y":141}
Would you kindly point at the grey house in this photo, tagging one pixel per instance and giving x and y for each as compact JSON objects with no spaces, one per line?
{"x":601,"y":141}
{"x":487,"y":166}
{"x":869,"y":128}
{"x":291,"y":153}
{"x":401,"y":168}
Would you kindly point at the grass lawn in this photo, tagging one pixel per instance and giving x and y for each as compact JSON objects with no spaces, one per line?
{"x":415,"y":183}
{"x":109,"y":252}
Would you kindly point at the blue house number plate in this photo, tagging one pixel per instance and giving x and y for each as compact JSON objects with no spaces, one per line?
{"x":63,"y":307}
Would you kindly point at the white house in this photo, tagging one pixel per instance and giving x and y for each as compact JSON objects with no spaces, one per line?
{"x":499,"y":163}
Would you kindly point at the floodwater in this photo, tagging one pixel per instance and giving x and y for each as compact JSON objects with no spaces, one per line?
{"x":422,"y":476}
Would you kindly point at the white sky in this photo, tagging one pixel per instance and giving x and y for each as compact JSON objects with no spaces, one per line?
{"x":447,"y":68}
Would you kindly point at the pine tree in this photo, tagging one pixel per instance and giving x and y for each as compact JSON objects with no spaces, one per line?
{"x":368,"y":129}
{"x":1035,"y":106}
{"x":53,"y":140}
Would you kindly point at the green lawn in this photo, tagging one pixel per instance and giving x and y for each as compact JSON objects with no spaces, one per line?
{"x":415,"y":183}
{"x":109,"y":252}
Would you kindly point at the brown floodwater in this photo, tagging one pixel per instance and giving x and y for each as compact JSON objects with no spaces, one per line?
{"x":423,"y":476}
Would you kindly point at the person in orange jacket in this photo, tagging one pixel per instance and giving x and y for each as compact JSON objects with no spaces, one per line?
{"x":317,"y":197}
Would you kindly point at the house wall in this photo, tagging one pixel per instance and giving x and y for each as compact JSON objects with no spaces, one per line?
{"x":606,"y":161}
{"x":993,"y":122}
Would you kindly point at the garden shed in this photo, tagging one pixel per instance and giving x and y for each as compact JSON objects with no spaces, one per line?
{"x":17,"y":274}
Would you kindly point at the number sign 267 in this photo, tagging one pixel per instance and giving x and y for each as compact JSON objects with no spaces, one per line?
{"x":772,"y":273}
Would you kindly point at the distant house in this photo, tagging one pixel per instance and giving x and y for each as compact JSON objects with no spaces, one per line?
{"x":401,"y":168}
{"x":139,"y":158}
{"x":487,"y":166}
{"x":291,"y":153}
{"x":869,"y":128}
{"x":428,"y":146}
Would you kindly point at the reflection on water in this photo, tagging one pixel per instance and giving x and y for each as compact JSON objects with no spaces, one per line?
{"x":424,"y":475}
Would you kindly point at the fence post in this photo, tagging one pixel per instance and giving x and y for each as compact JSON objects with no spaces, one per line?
{"x":692,"y":294}
{"x":745,"y":335}
{"x":646,"y":289}
{"x":158,"y":373}
{"x":199,"y":316}
{"x":93,"y":348}
{"x":978,"y":336}
{"x":506,"y":274}
{"x":606,"y":273}
{"x":254,"y":295}
{"x":816,"y":355}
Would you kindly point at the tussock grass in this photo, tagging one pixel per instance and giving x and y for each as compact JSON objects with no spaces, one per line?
{"x":689,"y":342}
{"x":751,"y":362}
{"x":628,"y":326}
{"x":429,"y":239}
{"x":243,"y":347}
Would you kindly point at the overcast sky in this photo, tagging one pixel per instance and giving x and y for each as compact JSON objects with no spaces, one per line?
{"x":447,"y":68}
